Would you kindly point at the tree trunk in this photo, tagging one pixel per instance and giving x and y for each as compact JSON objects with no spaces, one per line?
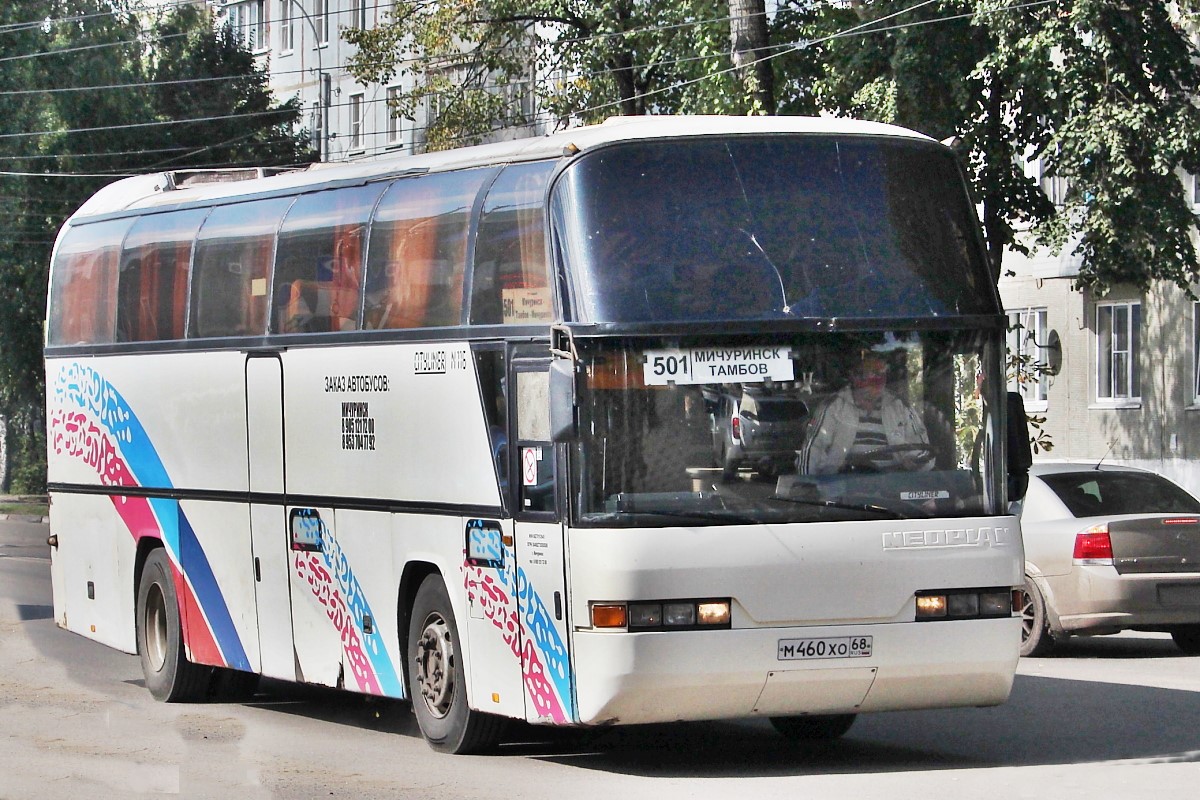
{"x":749,"y":39}
{"x":995,"y":230}
{"x":3,"y":454}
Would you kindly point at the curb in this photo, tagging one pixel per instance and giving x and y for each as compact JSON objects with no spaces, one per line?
{"x":24,"y":518}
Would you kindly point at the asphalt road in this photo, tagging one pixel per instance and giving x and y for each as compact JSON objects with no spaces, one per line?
{"x":1111,"y":717}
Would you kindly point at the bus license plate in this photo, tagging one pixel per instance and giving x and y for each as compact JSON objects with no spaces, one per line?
{"x":842,"y":647}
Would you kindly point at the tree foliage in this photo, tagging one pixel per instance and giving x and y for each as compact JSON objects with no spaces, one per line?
{"x":1102,"y":92}
{"x":584,"y":60}
{"x":65,"y":131}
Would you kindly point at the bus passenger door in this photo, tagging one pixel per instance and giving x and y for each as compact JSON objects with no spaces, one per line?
{"x":539,"y":548}
{"x":268,"y":521}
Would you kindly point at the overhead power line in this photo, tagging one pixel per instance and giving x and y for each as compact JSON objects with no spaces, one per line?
{"x":865,"y":28}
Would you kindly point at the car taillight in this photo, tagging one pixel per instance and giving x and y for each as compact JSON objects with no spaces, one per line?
{"x":735,"y":428}
{"x":1093,"y":546}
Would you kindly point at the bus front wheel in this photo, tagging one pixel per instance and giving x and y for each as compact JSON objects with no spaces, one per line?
{"x":170,"y":677}
{"x":437,"y":676}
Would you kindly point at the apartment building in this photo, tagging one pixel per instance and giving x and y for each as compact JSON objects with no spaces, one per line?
{"x":1123,"y":370}
{"x":301,"y":43}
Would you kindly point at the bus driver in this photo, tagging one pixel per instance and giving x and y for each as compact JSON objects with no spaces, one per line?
{"x":866,"y":426}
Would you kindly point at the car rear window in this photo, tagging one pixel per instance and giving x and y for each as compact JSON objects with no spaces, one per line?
{"x":1094,"y":493}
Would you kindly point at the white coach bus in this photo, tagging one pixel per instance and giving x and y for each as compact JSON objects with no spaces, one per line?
{"x":528,"y":430}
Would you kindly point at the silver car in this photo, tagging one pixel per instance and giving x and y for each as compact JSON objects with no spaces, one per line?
{"x":1108,"y":549}
{"x":756,"y":426}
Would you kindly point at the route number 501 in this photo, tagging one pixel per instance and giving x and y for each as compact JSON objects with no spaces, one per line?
{"x":669,"y":367}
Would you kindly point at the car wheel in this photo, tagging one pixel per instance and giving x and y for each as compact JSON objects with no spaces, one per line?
{"x":169,"y":675}
{"x":817,"y":727}
{"x":1187,"y":639}
{"x":729,"y":465}
{"x":438,"y":681}
{"x":1035,"y":633}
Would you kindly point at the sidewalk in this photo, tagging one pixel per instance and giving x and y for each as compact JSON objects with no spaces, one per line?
{"x":36,"y":500}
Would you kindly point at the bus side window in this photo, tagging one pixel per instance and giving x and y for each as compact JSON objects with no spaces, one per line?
{"x":152,"y":292}
{"x":490,"y":368}
{"x":510,"y":284}
{"x":84,"y":289}
{"x":232,"y":263}
{"x":418,"y":251}
{"x":319,"y":261}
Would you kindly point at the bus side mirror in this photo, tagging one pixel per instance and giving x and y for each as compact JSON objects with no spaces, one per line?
{"x":1020,"y":452}
{"x":562,"y":400}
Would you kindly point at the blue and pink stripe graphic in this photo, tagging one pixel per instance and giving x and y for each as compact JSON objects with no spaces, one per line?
{"x":529,"y":632}
{"x":333,"y":585}
{"x":93,"y":423}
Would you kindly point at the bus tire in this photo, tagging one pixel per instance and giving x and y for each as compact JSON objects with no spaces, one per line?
{"x":170,"y":677}
{"x":815,"y":727}
{"x":438,"y":683}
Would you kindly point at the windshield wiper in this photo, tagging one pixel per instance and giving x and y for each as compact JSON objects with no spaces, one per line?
{"x":699,"y":515}
{"x":841,"y":506}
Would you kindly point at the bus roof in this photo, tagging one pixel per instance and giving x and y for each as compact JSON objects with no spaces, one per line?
{"x":158,"y":191}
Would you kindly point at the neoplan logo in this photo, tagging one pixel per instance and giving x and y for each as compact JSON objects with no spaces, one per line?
{"x":948,"y":537}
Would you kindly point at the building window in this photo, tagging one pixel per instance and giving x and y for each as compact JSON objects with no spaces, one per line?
{"x":356,"y":121}
{"x":393,"y":121}
{"x":287,"y":31}
{"x":1027,"y":331}
{"x":320,"y":16}
{"x":518,"y":96}
{"x":1196,"y":354}
{"x":1118,"y":342}
{"x":1055,"y":186}
{"x":358,"y":13}
{"x":248,"y":23}
{"x":1194,"y":189}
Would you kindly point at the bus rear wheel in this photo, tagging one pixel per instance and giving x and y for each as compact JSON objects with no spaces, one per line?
{"x":170,"y":677}
{"x":816,"y":727}
{"x":437,"y":678}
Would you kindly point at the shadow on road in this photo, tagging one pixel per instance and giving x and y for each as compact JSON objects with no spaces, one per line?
{"x":27,"y":613}
{"x":1047,"y":721}
{"x":1139,"y":646}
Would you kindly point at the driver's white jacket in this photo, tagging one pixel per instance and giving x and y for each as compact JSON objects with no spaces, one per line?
{"x":832,"y":430}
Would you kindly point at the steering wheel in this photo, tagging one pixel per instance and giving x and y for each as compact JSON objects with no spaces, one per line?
{"x":865,"y":462}
{"x":925,"y":450}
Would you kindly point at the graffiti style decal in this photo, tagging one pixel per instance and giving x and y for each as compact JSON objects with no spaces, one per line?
{"x":335,"y":588}
{"x":548,"y":689}
{"x":539,"y":629}
{"x":92,"y":422}
{"x":483,"y":589}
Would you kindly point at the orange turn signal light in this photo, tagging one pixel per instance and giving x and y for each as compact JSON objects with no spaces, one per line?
{"x":608,"y":615}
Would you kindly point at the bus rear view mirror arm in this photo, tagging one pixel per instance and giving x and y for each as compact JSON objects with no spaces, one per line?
{"x":562,"y":400}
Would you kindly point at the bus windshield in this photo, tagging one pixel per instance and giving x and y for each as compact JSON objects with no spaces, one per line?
{"x":787,"y":428}
{"x":760,"y":227}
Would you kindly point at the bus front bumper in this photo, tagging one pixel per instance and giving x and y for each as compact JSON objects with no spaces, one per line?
{"x":630,"y":678}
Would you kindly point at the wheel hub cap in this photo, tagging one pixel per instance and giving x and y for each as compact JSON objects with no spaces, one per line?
{"x":435,"y":666}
